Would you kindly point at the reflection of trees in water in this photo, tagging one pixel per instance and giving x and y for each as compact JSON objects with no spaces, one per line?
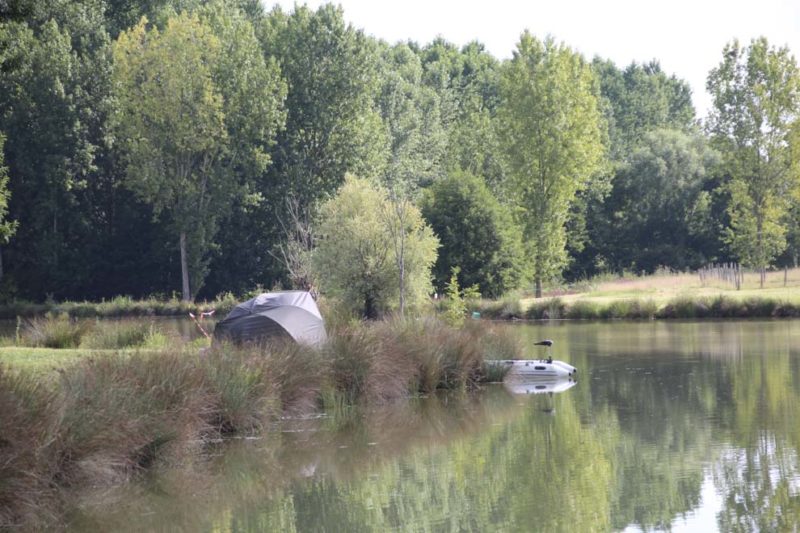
{"x":628,"y":446}
{"x":498,"y":462}
{"x":659,"y":457}
{"x":759,"y":476}
{"x":760,"y":486}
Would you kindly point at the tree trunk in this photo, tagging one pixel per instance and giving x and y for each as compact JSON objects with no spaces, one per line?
{"x":537,"y":284}
{"x":187,"y":295}
{"x":370,"y":313}
{"x":402,"y":264}
{"x":1,"y":264}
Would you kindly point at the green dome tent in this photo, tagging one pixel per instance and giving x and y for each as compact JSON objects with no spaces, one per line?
{"x":289,"y":314}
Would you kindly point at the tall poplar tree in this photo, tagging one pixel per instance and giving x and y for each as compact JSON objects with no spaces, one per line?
{"x":756,"y":99}
{"x":551,"y":131}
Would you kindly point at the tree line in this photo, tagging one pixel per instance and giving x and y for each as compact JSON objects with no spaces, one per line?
{"x":206,"y":146}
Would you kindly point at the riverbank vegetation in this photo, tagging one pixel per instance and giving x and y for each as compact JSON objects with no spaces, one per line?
{"x":74,"y":418}
{"x":660,"y":296}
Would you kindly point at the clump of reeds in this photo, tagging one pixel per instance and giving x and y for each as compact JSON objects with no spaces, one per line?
{"x":584,"y":310}
{"x":497,"y":343}
{"x":25,"y":473}
{"x":443,"y":356}
{"x":118,"y":415}
{"x":119,"y":334}
{"x":51,"y":331}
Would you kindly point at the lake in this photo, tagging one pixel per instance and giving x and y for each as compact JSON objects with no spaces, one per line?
{"x":686,"y":426}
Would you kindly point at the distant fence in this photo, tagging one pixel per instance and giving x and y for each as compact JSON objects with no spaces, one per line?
{"x":727,"y":272}
{"x":733,"y":273}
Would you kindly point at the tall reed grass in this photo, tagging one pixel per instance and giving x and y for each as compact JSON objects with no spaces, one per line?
{"x":106,"y":419}
{"x":52,"y":332}
{"x":62,"y":331}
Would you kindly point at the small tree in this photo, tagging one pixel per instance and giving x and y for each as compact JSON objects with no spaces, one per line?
{"x":355,"y":256}
{"x":455,"y":306}
{"x":295,"y":251}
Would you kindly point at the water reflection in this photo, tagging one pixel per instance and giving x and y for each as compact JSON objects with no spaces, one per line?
{"x":672,"y":425}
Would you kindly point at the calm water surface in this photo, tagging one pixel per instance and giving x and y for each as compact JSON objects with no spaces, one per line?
{"x":690,"y":426}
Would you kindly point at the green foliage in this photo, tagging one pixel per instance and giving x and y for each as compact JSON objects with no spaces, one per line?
{"x":197,"y":108}
{"x":551,"y":127}
{"x":603,"y":228}
{"x":477,"y":234}
{"x":658,"y":212}
{"x":640,"y":99}
{"x":466,"y":82}
{"x":756,"y":95}
{"x":455,"y":307}
{"x":53,"y":102}
{"x":354,"y":260}
{"x":331,"y":127}
{"x":7,"y":227}
{"x":411,"y":115}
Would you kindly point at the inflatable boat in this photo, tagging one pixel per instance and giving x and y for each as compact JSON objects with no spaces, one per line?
{"x":536,"y":368}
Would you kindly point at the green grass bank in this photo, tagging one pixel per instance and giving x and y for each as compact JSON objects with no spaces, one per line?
{"x":663,"y":296}
{"x":121,"y":306}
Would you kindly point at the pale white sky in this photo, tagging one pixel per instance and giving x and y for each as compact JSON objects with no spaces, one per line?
{"x":686,"y":36}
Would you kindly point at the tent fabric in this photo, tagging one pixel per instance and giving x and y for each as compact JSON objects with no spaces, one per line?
{"x":292,"y":314}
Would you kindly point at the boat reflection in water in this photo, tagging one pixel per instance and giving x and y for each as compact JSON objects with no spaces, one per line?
{"x":538,"y":385}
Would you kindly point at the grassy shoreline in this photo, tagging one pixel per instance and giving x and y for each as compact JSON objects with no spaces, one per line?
{"x":103,"y":417}
{"x":680,"y":307}
{"x":121,"y":306}
{"x":661,"y":296}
